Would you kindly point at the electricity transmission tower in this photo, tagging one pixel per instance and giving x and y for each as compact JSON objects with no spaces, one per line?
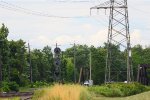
{"x":118,"y":34}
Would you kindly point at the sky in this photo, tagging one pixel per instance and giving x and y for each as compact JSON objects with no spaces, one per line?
{"x":69,"y":21}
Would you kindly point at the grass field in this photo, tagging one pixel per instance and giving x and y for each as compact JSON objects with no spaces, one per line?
{"x":15,"y":98}
{"x":77,"y":92}
{"x":141,"y":96}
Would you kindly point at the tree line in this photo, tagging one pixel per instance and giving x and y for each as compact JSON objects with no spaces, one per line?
{"x":15,"y":61}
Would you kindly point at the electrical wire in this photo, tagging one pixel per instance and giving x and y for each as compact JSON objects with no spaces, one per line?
{"x":75,"y":1}
{"x":12,"y":7}
{"x":139,"y":10}
{"x":15,"y":8}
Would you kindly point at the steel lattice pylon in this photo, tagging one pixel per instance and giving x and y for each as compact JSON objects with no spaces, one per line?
{"x":118,"y":34}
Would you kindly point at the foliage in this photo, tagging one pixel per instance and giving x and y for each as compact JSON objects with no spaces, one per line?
{"x":39,"y":84}
{"x":10,"y":86}
{"x":141,"y":96}
{"x":119,"y":89}
{"x":13,"y":86}
{"x":42,"y":64}
{"x":38,"y":94}
{"x":62,"y":92}
{"x":4,"y":52}
{"x":5,"y":87}
{"x":15,"y":66}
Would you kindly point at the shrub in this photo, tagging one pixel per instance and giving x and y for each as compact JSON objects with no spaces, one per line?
{"x":84,"y":95}
{"x":9,"y":86}
{"x":119,"y":89}
{"x":5,"y":86}
{"x":14,"y":86}
{"x":38,"y":84}
{"x":38,"y":94}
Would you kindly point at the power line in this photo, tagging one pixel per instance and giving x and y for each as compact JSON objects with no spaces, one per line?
{"x":139,"y":10}
{"x":16,"y":8}
{"x":12,"y":7}
{"x":75,"y":1}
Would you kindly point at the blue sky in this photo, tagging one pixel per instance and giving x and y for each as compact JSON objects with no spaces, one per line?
{"x":41,"y":31}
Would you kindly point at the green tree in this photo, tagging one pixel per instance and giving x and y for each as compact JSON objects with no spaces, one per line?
{"x":42,"y":64}
{"x":137,"y":58}
{"x":98,"y":64}
{"x":4,"y":52}
{"x":18,"y":61}
{"x":48,"y":63}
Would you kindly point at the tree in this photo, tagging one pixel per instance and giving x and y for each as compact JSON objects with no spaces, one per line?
{"x":98,"y":64}
{"x":18,"y":61}
{"x":137,"y":58}
{"x":4,"y":51}
{"x":42,"y":64}
{"x":48,"y":63}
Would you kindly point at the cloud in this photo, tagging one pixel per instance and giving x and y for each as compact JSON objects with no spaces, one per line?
{"x":98,"y":38}
{"x":87,"y":27}
{"x":39,"y":42}
{"x":41,"y":31}
{"x":136,"y":37}
{"x":65,"y":39}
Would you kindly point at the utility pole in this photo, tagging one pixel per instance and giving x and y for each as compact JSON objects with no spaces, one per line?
{"x":90,"y":65}
{"x":0,"y":68}
{"x":31,"y":80}
{"x":118,"y":34}
{"x":74,"y":61}
{"x":1,"y":64}
{"x":90,"y":80}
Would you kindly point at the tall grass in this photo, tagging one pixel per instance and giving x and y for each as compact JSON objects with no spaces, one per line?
{"x":62,"y":92}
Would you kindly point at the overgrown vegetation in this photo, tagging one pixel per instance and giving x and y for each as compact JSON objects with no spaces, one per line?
{"x":141,"y":96}
{"x":62,"y":92}
{"x":77,"y":92}
{"x":9,"y":86}
{"x":39,"y":84}
{"x":119,"y":89}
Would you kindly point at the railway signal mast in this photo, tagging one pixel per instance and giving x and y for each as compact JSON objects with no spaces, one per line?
{"x":57,"y":64}
{"x":118,"y":34}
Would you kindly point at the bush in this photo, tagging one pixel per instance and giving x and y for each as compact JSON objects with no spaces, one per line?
{"x":84,"y":95}
{"x":38,"y":84}
{"x":14,"y":86}
{"x":119,"y":89}
{"x":5,"y":87}
{"x":9,"y":86}
{"x":38,"y":94}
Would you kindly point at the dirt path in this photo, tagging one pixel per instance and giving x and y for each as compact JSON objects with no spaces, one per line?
{"x":22,"y":95}
{"x":26,"y":97}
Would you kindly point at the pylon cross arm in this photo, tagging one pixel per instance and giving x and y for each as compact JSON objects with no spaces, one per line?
{"x":108,"y":7}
